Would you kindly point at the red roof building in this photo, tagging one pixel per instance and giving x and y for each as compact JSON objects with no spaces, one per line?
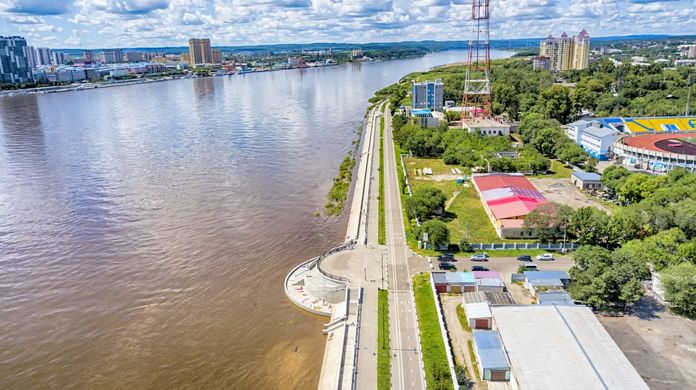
{"x":507,"y":199}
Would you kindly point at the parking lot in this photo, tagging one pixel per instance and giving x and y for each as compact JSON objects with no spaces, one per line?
{"x":660,"y":345}
{"x":562,"y":191}
{"x":507,"y":266}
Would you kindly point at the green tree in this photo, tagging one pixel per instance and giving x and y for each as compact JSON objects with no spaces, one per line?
{"x":548,"y":220}
{"x":426,"y":202}
{"x":554,"y":103}
{"x":546,"y":139}
{"x":438,"y":233}
{"x":590,"y":226}
{"x":614,"y":177}
{"x":632,"y":188}
{"x":679,"y":282}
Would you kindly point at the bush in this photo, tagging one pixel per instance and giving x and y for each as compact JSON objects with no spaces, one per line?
{"x":465,"y":246}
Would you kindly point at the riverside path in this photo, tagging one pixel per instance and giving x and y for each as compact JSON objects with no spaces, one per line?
{"x":407,"y":364}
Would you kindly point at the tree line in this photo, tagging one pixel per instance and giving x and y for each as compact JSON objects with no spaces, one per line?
{"x":654,"y":230}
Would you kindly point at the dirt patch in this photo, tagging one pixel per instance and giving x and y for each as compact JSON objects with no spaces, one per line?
{"x":562,"y":191}
{"x":660,"y":345}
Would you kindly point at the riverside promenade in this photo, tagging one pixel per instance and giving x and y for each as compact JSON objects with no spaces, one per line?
{"x":336,"y":284}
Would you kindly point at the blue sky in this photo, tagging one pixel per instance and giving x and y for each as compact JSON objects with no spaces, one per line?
{"x":137,"y":23}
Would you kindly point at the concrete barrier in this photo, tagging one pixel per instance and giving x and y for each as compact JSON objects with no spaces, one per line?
{"x":445,"y":337}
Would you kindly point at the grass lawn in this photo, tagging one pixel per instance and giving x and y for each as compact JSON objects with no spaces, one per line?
{"x":381,"y":219}
{"x":557,"y":171}
{"x":461,"y":314}
{"x":473,"y":359}
{"x":469,"y":211}
{"x":433,"y":346}
{"x":383,"y":356}
{"x":436,"y":164}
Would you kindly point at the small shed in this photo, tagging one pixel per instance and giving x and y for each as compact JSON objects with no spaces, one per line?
{"x":588,"y":181}
{"x":493,"y":361}
{"x":490,"y":284}
{"x":478,"y":315}
{"x":536,"y":281}
{"x":454,"y":282}
{"x":554,"y":298}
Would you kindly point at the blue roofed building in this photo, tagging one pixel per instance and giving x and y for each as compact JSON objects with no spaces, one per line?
{"x":554,"y":298}
{"x":537,"y":281}
{"x":588,"y":181}
{"x":490,"y":353}
{"x":454,"y":282}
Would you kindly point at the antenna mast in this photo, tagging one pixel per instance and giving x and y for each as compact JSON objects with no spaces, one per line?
{"x":477,"y":85}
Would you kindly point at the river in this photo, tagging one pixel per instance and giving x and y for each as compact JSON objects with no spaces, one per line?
{"x":145,"y":230}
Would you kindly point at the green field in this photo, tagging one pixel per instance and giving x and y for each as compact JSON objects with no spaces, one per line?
{"x":557,"y":171}
{"x":437,"y":375}
{"x":383,"y":354}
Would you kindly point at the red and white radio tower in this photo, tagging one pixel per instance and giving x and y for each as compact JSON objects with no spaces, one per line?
{"x":477,"y":85}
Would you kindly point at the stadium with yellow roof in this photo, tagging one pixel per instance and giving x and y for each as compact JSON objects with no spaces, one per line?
{"x":656,"y":144}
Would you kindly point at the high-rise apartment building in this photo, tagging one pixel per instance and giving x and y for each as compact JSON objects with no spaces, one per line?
{"x":89,"y":56}
{"x":200,"y":52}
{"x":566,"y":52}
{"x":43,"y":56}
{"x":428,"y":94}
{"x":134,"y":56}
{"x":14,"y":65}
{"x":31,"y":57}
{"x":216,"y":56}
{"x":58,"y":57}
{"x":111,"y":56}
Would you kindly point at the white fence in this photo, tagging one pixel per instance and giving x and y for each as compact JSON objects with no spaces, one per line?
{"x":443,"y":331}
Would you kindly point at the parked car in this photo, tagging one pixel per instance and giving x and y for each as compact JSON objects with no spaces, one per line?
{"x":447,"y":265}
{"x":479,"y":257}
{"x":479,"y":268}
{"x":545,"y":257}
{"x":524,"y":258}
{"x":446,"y":257}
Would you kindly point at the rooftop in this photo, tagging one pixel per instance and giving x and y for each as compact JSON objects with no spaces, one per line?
{"x":491,"y":282}
{"x":532,"y":275}
{"x":554,"y":298}
{"x":477,"y":310}
{"x":562,"y":347}
{"x":484,"y":122}
{"x":490,"y":350}
{"x":600,"y":132}
{"x":587,"y":176}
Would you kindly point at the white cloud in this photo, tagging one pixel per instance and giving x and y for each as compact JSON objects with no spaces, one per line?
{"x":129,"y":23}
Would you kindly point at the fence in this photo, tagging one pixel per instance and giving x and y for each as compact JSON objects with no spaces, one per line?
{"x":569,"y":246}
{"x":445,"y":335}
{"x":319,"y":259}
{"x":357,"y":339}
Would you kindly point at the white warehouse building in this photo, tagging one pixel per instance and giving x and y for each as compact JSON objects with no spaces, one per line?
{"x":595,"y":140}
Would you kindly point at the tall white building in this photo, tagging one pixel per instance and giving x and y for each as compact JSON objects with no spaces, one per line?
{"x":58,"y":58}
{"x":43,"y":56}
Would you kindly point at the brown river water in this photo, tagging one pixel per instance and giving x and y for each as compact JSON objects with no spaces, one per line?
{"x":145,"y":230}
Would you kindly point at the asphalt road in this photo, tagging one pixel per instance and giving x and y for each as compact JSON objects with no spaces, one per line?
{"x":407,"y":364}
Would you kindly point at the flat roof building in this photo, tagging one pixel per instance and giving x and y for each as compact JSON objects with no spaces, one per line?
{"x":554,"y":298}
{"x":490,"y":353}
{"x":454,"y":282}
{"x":562,"y":347}
{"x":478,"y":315}
{"x":588,"y":181}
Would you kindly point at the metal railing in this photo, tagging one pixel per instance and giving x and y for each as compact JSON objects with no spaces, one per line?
{"x":354,"y":381}
{"x":319,"y":259}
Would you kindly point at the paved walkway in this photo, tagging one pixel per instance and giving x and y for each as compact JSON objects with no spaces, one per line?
{"x":407,"y":363}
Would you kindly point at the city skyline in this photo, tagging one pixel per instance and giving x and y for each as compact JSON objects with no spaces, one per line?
{"x":153,"y":23}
